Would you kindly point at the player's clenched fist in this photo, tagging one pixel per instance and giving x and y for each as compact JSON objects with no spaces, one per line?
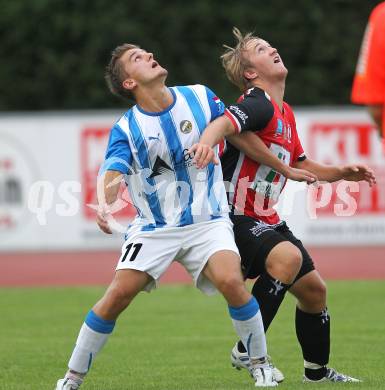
{"x":203,"y":155}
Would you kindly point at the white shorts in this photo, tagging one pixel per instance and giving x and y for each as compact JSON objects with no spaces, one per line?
{"x":192,"y":245}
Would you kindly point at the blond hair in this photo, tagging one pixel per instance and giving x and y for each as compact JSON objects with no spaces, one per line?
{"x":234,"y":61}
{"x":115,"y":73}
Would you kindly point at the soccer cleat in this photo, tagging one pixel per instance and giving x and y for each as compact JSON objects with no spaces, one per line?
{"x":67,"y":384}
{"x":241,"y":360}
{"x":332,"y":376}
{"x":262,"y":375}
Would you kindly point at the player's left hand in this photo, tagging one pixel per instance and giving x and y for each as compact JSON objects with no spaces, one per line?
{"x":203,"y":155}
{"x":358,"y":172}
{"x":102,"y":217}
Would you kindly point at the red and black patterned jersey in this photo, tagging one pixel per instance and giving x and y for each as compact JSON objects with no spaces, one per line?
{"x":256,"y":188}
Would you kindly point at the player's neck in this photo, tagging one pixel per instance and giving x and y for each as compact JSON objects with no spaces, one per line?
{"x":154,"y":98}
{"x":275,"y":89}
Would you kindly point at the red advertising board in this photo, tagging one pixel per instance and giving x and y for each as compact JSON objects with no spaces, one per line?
{"x":342,"y":143}
{"x":93,"y":145}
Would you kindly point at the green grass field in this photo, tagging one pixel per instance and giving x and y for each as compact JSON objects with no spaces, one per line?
{"x":176,"y":338}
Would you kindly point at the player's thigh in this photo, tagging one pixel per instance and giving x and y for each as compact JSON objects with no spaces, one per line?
{"x":210,"y":242}
{"x":224,"y":272}
{"x":255,"y":240}
{"x":150,"y":252}
{"x":128,"y":282}
{"x":223,"y":266}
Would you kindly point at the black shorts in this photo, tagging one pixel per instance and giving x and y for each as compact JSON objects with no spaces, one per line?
{"x":255,"y":239}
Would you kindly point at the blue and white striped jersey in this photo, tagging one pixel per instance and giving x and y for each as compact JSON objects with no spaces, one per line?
{"x":152,"y":150}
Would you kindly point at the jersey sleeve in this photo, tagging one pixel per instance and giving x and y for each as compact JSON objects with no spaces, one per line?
{"x":298,"y":152}
{"x":217,"y":108}
{"x":369,"y":78}
{"x":253,"y":113}
{"x":118,"y":155}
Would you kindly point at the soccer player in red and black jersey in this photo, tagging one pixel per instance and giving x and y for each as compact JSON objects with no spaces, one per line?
{"x":269,"y":250}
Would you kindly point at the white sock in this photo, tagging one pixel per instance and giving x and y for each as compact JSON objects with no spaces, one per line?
{"x":311,"y":366}
{"x":92,"y":336}
{"x":248,"y":323}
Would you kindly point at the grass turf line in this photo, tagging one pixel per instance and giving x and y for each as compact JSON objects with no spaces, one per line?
{"x":176,"y":338}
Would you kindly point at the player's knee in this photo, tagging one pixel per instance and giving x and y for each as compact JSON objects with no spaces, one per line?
{"x":319,"y":292}
{"x":315,"y":296}
{"x":284,"y":261}
{"x":119,"y":295}
{"x":231,"y":285}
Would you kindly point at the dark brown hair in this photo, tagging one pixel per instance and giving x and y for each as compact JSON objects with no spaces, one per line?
{"x":115,"y":73}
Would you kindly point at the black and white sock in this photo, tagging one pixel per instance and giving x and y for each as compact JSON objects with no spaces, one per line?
{"x":313,"y":333}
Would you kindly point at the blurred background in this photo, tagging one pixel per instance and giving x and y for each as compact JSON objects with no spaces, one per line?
{"x":56,"y":112}
{"x":55,"y":51}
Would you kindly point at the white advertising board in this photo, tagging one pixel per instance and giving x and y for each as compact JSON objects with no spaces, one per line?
{"x":52,"y":161}
{"x":49,"y":164}
{"x":342,"y":213}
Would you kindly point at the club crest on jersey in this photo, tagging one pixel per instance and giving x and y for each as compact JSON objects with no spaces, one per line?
{"x":185,"y":127}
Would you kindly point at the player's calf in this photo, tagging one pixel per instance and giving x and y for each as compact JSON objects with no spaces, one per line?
{"x":99,"y":324}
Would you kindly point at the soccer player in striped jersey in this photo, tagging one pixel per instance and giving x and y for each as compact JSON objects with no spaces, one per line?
{"x":182,"y":211}
{"x":268,"y":248}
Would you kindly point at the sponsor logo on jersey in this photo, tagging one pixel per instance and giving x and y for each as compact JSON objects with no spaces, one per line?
{"x":160,"y":167}
{"x":279,"y":129}
{"x":185,"y":127}
{"x":187,"y":159}
{"x":283,"y":130}
{"x":239,"y":113}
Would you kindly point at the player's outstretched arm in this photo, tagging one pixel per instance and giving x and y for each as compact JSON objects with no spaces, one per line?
{"x":253,"y":147}
{"x":107,"y":192}
{"x":213,"y":134}
{"x":358,"y":172}
{"x":331,"y":173}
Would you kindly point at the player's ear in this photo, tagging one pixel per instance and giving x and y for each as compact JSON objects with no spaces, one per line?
{"x":129,"y":84}
{"x":250,"y":74}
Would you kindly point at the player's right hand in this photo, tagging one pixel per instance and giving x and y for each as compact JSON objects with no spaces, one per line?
{"x":102,"y":219}
{"x":203,"y":155}
{"x":301,"y":175}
